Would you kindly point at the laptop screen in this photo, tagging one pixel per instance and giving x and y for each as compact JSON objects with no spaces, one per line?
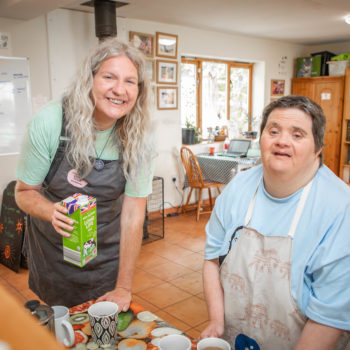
{"x":239,"y":147}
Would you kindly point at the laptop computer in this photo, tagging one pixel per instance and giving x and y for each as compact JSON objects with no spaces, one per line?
{"x":237,"y":149}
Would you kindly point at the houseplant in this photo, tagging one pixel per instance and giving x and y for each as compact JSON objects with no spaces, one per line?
{"x":190,"y":134}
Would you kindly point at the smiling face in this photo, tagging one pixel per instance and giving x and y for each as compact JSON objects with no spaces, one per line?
{"x":287,"y":144}
{"x":114,"y":91}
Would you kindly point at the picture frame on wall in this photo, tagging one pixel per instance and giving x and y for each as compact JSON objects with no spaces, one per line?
{"x":167,"y":97}
{"x":166,"y":72}
{"x":277,"y":87}
{"x":150,"y":71}
{"x":166,"y":45}
{"x":144,"y":42}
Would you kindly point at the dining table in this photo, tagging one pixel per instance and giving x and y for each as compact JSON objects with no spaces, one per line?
{"x":143,"y":331}
{"x":220,"y":167}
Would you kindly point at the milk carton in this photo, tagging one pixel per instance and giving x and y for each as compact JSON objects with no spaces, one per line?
{"x":81,"y":246}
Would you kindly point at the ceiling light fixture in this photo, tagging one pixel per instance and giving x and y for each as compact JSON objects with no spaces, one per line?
{"x":347,"y":19}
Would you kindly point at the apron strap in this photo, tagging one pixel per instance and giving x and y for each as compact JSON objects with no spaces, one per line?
{"x":300,"y":208}
{"x":248,"y":216}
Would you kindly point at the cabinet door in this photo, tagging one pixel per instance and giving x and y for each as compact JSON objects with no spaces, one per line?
{"x":304,"y":87}
{"x":329,"y":95}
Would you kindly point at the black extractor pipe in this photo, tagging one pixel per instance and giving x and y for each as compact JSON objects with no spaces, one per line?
{"x":105,"y":18}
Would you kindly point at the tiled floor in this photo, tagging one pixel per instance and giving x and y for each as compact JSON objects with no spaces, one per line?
{"x":168,"y":278}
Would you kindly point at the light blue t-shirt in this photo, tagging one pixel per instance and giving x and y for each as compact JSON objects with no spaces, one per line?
{"x":41,"y":142}
{"x":320,"y":272}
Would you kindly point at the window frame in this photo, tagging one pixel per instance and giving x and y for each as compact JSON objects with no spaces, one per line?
{"x":198,"y":64}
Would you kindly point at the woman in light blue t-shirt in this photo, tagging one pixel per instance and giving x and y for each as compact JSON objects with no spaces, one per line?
{"x":277,"y":268}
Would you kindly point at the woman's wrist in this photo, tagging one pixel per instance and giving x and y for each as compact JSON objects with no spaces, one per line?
{"x":121,"y":287}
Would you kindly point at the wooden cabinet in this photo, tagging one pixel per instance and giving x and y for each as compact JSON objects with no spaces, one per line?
{"x":344,"y":169}
{"x":328,"y":92}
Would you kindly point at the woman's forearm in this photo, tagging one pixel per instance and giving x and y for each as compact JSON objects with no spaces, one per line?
{"x":213,"y":291}
{"x":214,"y":297}
{"x":32,"y":202}
{"x":316,"y":336}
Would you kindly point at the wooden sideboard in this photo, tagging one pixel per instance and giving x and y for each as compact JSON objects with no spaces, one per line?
{"x":328,"y":92}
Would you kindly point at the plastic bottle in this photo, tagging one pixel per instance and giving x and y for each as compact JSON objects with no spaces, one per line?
{"x":226,"y":144}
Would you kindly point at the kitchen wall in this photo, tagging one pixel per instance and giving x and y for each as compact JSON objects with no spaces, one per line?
{"x":56,"y":44}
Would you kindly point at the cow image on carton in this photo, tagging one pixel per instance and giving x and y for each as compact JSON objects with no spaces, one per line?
{"x":81,"y":246}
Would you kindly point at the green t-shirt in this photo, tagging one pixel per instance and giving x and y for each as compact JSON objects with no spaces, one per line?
{"x":41,"y":142}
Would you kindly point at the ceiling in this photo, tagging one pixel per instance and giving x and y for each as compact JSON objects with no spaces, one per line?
{"x":296,"y":21}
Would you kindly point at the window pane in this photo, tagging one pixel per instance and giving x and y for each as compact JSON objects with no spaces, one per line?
{"x":214,"y":95}
{"x":188,"y":93}
{"x":239,"y":100}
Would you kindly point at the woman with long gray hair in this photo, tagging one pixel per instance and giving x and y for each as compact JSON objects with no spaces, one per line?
{"x":98,"y":142}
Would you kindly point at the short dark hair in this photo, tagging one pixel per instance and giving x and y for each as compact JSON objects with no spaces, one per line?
{"x":306,"y":105}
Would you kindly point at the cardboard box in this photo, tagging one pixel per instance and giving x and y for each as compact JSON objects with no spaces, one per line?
{"x":303,"y":67}
{"x":316,"y":66}
{"x":308,"y":66}
{"x":81,"y":246}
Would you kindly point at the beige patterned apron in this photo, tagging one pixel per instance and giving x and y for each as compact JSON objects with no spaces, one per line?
{"x":260,"y":312}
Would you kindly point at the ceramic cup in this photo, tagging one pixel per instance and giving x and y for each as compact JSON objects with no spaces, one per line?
{"x":103,"y":320}
{"x":213,"y":343}
{"x":175,"y":342}
{"x":63,"y":328}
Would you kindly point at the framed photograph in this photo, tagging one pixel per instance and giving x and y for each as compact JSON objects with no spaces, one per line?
{"x":144,"y":42}
{"x":166,"y":45}
{"x":277,"y":87}
{"x":167,"y":97}
{"x":166,"y":72}
{"x":150,"y":69}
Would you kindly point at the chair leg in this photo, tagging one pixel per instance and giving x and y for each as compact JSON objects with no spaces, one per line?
{"x":218,"y":189}
{"x":199,"y":203}
{"x":188,"y":199}
{"x":210,"y":199}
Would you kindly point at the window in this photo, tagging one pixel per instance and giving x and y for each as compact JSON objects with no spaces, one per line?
{"x":216,"y":93}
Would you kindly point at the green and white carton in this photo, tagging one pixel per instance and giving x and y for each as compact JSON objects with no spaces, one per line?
{"x":81,"y":246}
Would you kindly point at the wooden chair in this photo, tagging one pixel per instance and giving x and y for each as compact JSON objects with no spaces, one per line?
{"x":195,"y":180}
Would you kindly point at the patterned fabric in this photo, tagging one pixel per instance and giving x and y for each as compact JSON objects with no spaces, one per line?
{"x":143,"y":332}
{"x":255,"y":312}
{"x":12,"y":225}
{"x":221,"y":168}
{"x":251,"y":307}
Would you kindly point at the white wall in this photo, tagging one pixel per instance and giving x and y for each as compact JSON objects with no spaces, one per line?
{"x":64,"y":37}
{"x":28,"y":39}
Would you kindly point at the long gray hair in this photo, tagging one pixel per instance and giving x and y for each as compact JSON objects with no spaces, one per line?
{"x":133,"y":131}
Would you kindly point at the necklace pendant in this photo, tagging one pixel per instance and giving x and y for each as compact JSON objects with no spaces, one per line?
{"x":99,"y":164}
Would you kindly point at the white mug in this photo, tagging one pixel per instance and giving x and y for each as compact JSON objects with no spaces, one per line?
{"x":213,"y":342}
{"x":63,"y":328}
{"x":174,"y":342}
